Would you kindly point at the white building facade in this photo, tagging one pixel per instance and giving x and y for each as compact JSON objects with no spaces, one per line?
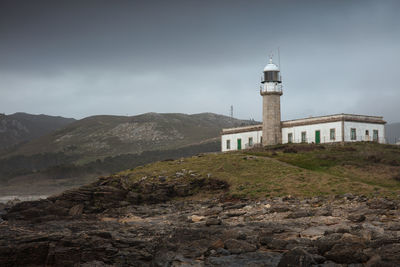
{"x":317,"y":130}
{"x":334,"y":128}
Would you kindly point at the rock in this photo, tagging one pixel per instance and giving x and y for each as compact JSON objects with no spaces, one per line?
{"x":315,"y":231}
{"x":127,"y":230}
{"x":235,"y":213}
{"x":213,"y":221}
{"x":235,"y":246}
{"x":279,"y":208}
{"x":300,"y":214}
{"x":349,"y":196}
{"x":346,"y":252}
{"x":241,"y":236}
{"x":196,"y":218}
{"x":246,"y":259}
{"x":296,"y":257}
{"x":95,"y":264}
{"x":217,"y":244}
{"x":381,"y":203}
{"x":393,"y":226}
{"x":324,"y":212}
{"x":389,"y":252}
{"x":223,"y":251}
{"x":179,"y":174}
{"x":374,"y":231}
{"x":76,"y":210}
{"x":273,"y":243}
{"x":325,"y":243}
{"x":356,"y":218}
{"x":228,"y":206}
{"x":212,"y":211}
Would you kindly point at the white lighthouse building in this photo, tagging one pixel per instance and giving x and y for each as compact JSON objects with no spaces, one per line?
{"x":322,"y":129}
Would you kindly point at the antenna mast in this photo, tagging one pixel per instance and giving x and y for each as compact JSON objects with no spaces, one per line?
{"x":279,"y":59}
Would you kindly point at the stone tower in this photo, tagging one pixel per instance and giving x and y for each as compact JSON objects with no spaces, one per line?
{"x":271,"y":91}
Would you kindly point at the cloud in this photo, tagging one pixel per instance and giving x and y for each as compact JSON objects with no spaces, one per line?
{"x":127,"y":57}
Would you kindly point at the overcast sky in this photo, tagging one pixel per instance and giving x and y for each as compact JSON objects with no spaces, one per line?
{"x":82,"y":58}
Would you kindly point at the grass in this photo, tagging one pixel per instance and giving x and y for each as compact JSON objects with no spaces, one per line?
{"x":364,"y":168}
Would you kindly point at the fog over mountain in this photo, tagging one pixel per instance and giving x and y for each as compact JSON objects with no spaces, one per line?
{"x":76,"y":59}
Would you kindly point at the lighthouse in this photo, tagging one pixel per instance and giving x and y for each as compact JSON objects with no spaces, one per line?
{"x":271,"y":91}
{"x":336,"y":128}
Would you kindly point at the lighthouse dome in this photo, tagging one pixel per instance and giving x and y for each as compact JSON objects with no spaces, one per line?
{"x":271,"y":66}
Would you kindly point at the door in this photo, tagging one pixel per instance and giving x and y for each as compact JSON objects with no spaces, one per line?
{"x":318,"y":137}
{"x":239,"y":144}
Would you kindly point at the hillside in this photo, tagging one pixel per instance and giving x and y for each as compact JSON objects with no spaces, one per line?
{"x":287,"y":205}
{"x":102,"y":136}
{"x":393,"y":133}
{"x":297,"y":170}
{"x":101,"y":145}
{"x":23,"y":127}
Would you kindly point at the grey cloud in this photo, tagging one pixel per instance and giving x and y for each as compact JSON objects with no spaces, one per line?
{"x":80,"y":58}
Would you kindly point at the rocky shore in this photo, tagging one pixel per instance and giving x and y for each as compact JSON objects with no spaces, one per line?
{"x":113,"y":223}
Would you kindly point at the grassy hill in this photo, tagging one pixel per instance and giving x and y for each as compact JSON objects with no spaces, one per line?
{"x":101,"y":136}
{"x":23,"y":127}
{"x":297,"y":170}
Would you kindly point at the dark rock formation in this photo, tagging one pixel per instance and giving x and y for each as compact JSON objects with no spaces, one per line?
{"x":115,"y":222}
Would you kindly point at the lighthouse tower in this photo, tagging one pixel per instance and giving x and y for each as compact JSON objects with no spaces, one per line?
{"x":271,"y":91}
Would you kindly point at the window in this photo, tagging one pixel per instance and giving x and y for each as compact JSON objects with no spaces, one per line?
{"x":366,"y":132}
{"x":376,"y":136}
{"x":353,"y":135}
{"x":333,"y":134}
{"x":228,"y":144}
{"x":303,"y":137}
{"x":261,"y":139}
{"x":250,"y":141}
{"x":290,"y":138}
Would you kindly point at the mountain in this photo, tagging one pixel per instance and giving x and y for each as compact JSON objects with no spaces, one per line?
{"x":393,"y":133}
{"x":100,"y":145}
{"x":101,"y":136}
{"x":22,"y":127}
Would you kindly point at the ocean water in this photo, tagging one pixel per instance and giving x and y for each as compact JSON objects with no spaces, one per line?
{"x":5,"y":199}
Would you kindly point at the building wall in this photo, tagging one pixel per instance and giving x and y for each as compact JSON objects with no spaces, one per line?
{"x":296,"y":131}
{"x":324,"y":129}
{"x":244,"y":136}
{"x":361,"y":128}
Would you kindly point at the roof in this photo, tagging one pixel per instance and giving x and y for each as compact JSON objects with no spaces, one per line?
{"x":243,"y":129}
{"x":334,"y":118}
{"x":310,"y":121}
{"x":271,"y":66}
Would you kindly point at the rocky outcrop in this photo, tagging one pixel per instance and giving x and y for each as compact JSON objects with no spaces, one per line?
{"x":118,"y":223}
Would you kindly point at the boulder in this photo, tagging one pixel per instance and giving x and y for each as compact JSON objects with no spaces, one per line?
{"x":345,"y":252}
{"x":213,"y":221}
{"x":76,"y":210}
{"x":300,"y":214}
{"x":356,"y":218}
{"x":296,"y":257}
{"x":235,"y":246}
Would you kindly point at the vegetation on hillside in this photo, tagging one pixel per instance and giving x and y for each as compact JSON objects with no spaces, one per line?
{"x":98,"y":137}
{"x":61,"y":166}
{"x":297,"y":170}
{"x":22,"y":127}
